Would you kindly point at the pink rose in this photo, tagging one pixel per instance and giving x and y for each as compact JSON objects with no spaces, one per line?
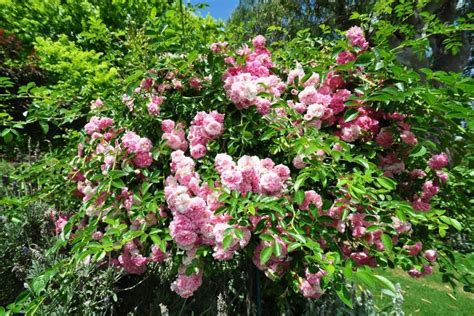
{"x":408,"y":138}
{"x":431,"y":255}
{"x":439,"y":161}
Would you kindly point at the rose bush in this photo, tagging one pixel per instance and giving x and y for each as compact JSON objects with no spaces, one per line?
{"x":315,"y":161}
{"x":309,"y":172}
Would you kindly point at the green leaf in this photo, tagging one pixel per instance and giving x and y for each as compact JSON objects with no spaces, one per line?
{"x":364,"y":59}
{"x":386,"y":283}
{"x":299,"y":181}
{"x":156,"y":239}
{"x":298,"y":237}
{"x":227,"y":241}
{"x":192,"y":56}
{"x":118,"y":184}
{"x":145,"y":187}
{"x":38,"y":285}
{"x":387,"y":183}
{"x":299,"y":197}
{"x":325,"y":219}
{"x":366,"y":278}
{"x":345,"y":296}
{"x":348,"y":270}
{"x":266,"y":237}
{"x":293,"y":246}
{"x":7,"y":136}
{"x":16,"y":307}
{"x":5,"y":131}
{"x":251,"y":209}
{"x":380,"y":97}
{"x":451,"y":221}
{"x":350,"y":114}
{"x":456,"y":224}
{"x":277,"y":248}
{"x":163,"y":245}
{"x":372,"y":228}
{"x":117,"y":173}
{"x":44,"y":126}
{"x":100,"y":256}
{"x":265,"y":255}
{"x":238,"y":232}
{"x":442,"y":232}
{"x":418,"y":152}
{"x":401,"y":215}
{"x":191,"y":269}
{"x":400,"y":86}
{"x":362,"y":161}
{"x":153,"y":13}
{"x":387,"y":242}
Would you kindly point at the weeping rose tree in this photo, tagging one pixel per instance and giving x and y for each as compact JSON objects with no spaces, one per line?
{"x":311,"y":173}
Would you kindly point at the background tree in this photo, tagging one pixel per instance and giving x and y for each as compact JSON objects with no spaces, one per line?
{"x":404,"y":20}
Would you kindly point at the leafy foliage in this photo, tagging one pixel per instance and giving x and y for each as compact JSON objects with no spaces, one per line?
{"x":343,"y":198}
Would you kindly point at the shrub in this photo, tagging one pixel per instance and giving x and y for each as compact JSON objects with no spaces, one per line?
{"x":183,"y":167}
{"x":316,"y":173}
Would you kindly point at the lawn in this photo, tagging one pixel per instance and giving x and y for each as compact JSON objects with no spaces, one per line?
{"x":430,"y":296}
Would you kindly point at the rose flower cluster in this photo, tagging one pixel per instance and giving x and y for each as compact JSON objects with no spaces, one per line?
{"x":244,"y":83}
{"x":194,"y":222}
{"x":251,"y":174}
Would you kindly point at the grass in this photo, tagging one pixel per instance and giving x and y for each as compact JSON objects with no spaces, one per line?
{"x":430,"y":296}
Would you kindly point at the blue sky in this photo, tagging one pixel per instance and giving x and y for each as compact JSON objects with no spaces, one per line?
{"x":219,"y":9}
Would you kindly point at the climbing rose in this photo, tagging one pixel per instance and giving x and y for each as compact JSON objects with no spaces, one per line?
{"x":97,"y":104}
{"x":430,"y":255}
{"x":60,"y":223}
{"x":442,"y":176}
{"x":439,"y":161}
{"x":345,"y":57}
{"x":384,"y":138}
{"x":414,"y":249}
{"x":311,"y":197}
{"x":131,"y":259}
{"x":408,"y":138}
{"x":356,"y":37}
{"x":204,"y":128}
{"x":186,"y":285}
